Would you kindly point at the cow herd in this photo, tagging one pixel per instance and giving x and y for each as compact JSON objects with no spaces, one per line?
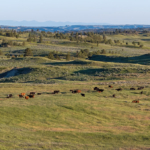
{"x":120,"y":89}
{"x":23,"y":95}
{"x":32,"y":94}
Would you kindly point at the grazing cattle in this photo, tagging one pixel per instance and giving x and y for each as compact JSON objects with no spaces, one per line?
{"x":135,"y":101}
{"x":39,"y":93}
{"x":76,"y":91}
{"x":114,"y":95}
{"x":32,"y":93}
{"x":142,"y":92}
{"x":96,"y":89}
{"x":26,"y":97}
{"x":132,"y":88}
{"x":71,"y":90}
{"x":100,"y":90}
{"x":119,"y":89}
{"x":82,"y":94}
{"x":110,"y":86}
{"x":55,"y":92}
{"x":20,"y":96}
{"x":9,"y":96}
{"x":31,"y":96}
{"x":140,"y":88}
{"x":23,"y":94}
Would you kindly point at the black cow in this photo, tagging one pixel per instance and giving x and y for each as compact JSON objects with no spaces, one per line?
{"x":82,"y":94}
{"x":56,"y":92}
{"x":114,"y":95}
{"x":100,"y":90}
{"x":140,"y":88}
{"x":9,"y":95}
{"x":120,"y":89}
{"x":32,"y":93}
{"x":96,"y":88}
{"x":31,"y":96}
{"x":132,"y":88}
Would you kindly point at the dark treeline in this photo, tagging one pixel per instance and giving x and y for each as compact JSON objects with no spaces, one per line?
{"x":94,"y":36}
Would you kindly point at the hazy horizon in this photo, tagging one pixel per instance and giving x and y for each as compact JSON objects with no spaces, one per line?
{"x":97,"y":11}
{"x":52,"y":23}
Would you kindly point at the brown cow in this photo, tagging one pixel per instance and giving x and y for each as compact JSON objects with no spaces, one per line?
{"x":110,"y":86}
{"x":26,"y":97}
{"x":142,"y":92}
{"x":23,"y":94}
{"x":135,"y":101}
{"x":39,"y":93}
{"x":76,"y":91}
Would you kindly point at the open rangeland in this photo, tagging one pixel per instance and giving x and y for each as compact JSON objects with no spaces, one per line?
{"x":74,"y":95}
{"x":70,"y":121}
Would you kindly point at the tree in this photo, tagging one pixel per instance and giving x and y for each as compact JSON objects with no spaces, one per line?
{"x":1,"y":53}
{"x":24,"y":43}
{"x":51,"y":56}
{"x":133,"y":43}
{"x":68,"y":56}
{"x":97,"y":43}
{"x":8,"y":56}
{"x":57,"y":57}
{"x":104,"y":37}
{"x":28,"y":52}
{"x":41,"y":39}
{"x":71,"y":38}
{"x":103,"y":52}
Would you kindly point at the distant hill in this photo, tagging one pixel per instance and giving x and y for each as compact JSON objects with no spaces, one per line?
{"x":44,"y":24}
{"x":66,"y":28}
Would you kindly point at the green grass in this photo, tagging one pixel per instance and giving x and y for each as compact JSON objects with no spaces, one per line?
{"x":67,"y":121}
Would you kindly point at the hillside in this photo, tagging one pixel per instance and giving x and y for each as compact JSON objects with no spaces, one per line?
{"x":65,"y":112}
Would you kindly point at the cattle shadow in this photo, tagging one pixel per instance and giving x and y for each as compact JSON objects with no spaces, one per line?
{"x":142,"y":59}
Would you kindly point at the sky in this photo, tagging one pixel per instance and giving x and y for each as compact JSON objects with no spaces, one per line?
{"x":88,"y":11}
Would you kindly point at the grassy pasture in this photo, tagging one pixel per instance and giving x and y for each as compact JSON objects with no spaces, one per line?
{"x":70,"y":121}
